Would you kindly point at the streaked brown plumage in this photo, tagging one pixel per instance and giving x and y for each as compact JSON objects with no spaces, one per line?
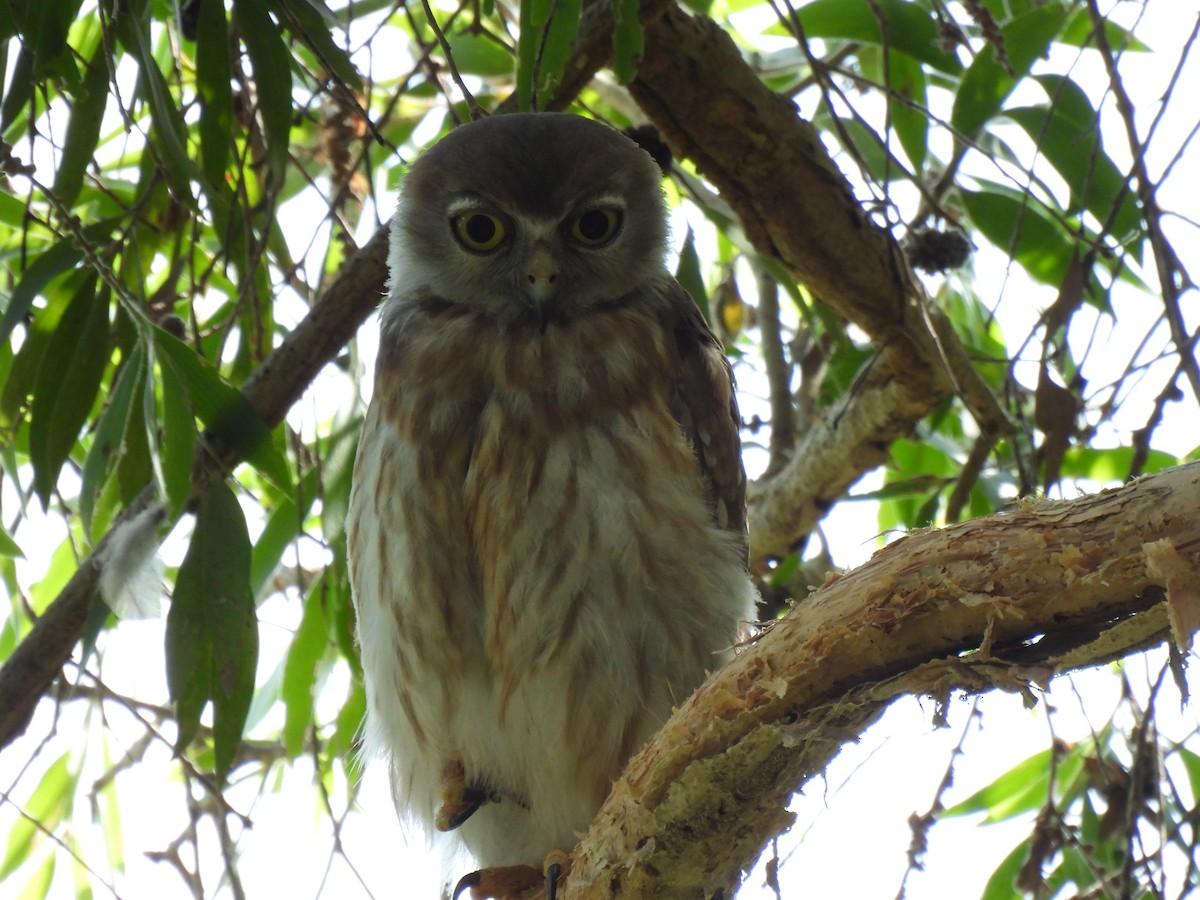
{"x":547,"y":529}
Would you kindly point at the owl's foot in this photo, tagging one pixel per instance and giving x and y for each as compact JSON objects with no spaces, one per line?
{"x":458,"y":799}
{"x":500,"y":883}
{"x":556,"y":867}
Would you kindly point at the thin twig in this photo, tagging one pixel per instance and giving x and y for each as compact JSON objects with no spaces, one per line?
{"x":779,"y":370}
{"x":477,"y":111}
{"x":1165,"y":260}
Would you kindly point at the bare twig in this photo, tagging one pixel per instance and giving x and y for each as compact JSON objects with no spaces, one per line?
{"x":1166,"y":262}
{"x":779,"y":370}
{"x":472,"y":103}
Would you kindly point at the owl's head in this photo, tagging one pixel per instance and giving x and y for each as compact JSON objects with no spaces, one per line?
{"x":529,"y":217}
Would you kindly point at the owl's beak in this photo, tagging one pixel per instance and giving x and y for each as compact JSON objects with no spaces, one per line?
{"x":541,"y":272}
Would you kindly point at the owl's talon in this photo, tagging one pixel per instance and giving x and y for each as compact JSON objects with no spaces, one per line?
{"x":451,"y":815}
{"x":500,"y":883}
{"x":459,"y":800}
{"x":467,"y":881}
{"x":556,"y":866}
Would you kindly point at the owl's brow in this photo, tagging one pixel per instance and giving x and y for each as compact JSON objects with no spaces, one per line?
{"x":600,"y":201}
{"x":465,"y":202}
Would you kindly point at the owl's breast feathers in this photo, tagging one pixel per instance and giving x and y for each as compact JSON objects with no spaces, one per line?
{"x":547,"y":545}
{"x":444,"y":370}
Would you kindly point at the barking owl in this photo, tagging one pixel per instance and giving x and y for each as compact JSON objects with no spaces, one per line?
{"x":547,"y":529}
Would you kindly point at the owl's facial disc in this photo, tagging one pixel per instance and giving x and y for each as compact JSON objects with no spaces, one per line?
{"x":544,"y":256}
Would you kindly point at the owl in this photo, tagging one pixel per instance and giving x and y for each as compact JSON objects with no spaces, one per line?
{"x":547,"y":532}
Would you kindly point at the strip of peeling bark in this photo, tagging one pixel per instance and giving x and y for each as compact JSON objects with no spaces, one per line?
{"x":1006,"y":601}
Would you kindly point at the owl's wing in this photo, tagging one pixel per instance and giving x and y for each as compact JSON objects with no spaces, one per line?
{"x":705,"y":406}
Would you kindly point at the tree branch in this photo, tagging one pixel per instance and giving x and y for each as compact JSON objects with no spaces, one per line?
{"x":1007,"y":601}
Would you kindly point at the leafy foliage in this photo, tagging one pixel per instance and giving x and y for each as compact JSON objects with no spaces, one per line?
{"x":184,"y":181}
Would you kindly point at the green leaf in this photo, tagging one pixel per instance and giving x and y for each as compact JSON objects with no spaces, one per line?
{"x":178,"y":441}
{"x":986,"y":84}
{"x":867,"y":147}
{"x":340,"y":610}
{"x":62,"y":257}
{"x":63,"y":564}
{"x":1066,"y":134}
{"x":168,"y":131}
{"x":38,"y":885}
{"x":1021,"y":789}
{"x":1191,"y":764}
{"x":1017,"y":226}
{"x":213,"y":75}
{"x":475,"y":54}
{"x":98,"y":616}
{"x":109,"y":438}
{"x":1025,"y":787}
{"x":135,"y":467}
{"x":9,"y":547}
{"x":300,"y":670}
{"x":44,"y":52}
{"x":224,"y":411}
{"x":27,"y":362}
{"x":20,"y":88}
{"x":312,"y":22}
{"x":1111,"y":465}
{"x":689,"y":277}
{"x":83,"y":129}
{"x":212,"y":630}
{"x":916,"y":474}
{"x":1002,"y":885}
{"x":908,"y":28}
{"x":283,"y":526}
{"x":337,"y":475}
{"x":628,"y":40}
{"x":273,"y":78}
{"x":47,"y":806}
{"x":343,"y":743}
{"x":1078,"y":32}
{"x":67,"y":384}
{"x":12,"y":211}
{"x":556,"y":49}
{"x":527,"y":43}
{"x":108,"y":810}
{"x":910,"y":121}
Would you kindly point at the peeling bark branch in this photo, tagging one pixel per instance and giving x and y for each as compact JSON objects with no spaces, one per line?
{"x":959,"y":608}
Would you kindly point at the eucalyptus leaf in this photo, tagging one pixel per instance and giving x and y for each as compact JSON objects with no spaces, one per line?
{"x":212,"y":629}
{"x":300,"y":671}
{"x":987,"y":83}
{"x":83,"y":129}
{"x":223,"y":409}
{"x":108,"y":443}
{"x":67,"y":384}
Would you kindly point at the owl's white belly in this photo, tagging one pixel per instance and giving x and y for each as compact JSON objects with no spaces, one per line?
{"x":592,"y":592}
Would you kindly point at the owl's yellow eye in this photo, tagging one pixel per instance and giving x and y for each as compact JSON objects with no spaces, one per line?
{"x":596,"y":226}
{"x":479,"y":231}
